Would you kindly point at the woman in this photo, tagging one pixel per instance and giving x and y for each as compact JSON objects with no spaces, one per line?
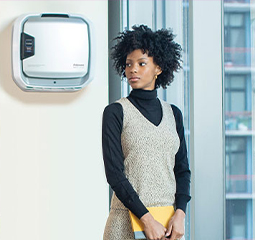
{"x":144,"y":147}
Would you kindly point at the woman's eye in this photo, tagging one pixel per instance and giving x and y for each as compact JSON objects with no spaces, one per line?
{"x":128,"y":64}
{"x":142,"y":64}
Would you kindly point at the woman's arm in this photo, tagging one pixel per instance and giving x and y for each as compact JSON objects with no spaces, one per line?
{"x":114,"y":160}
{"x":175,"y":227}
{"x":181,"y":168}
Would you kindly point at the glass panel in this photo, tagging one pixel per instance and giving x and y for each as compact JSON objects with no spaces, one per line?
{"x":238,"y":82}
{"x":235,"y":39}
{"x":237,"y":101}
{"x":238,"y":144}
{"x":236,"y":167}
{"x":226,"y":20}
{"x":236,"y":20}
{"x":239,"y":126}
{"x":135,"y":15}
{"x":238,"y":221}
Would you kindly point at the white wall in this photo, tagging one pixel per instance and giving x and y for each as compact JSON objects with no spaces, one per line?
{"x":52,"y":183}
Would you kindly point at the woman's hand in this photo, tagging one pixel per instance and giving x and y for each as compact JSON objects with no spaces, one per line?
{"x":175,"y":227}
{"x":153,"y":229}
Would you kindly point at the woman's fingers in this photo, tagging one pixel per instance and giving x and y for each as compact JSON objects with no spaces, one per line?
{"x":169,"y":230}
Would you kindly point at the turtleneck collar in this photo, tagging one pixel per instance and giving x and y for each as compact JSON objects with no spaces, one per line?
{"x":143,"y":94}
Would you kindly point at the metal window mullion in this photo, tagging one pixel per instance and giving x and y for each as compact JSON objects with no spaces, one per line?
{"x":155,"y":25}
{"x":249,"y":162}
{"x":249,"y":210}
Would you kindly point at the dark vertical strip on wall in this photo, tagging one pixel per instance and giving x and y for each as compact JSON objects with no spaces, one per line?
{"x":114,"y":27}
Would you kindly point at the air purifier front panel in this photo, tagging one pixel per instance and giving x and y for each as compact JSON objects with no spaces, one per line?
{"x":60,"y":48}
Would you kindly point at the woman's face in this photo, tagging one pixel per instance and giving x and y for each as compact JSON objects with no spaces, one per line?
{"x":141,"y":71}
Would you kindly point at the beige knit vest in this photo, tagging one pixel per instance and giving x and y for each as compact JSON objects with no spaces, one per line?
{"x":149,"y":155}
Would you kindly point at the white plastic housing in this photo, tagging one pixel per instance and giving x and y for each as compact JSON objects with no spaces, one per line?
{"x":57,"y":53}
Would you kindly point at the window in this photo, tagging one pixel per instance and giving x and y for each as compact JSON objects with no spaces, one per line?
{"x":236,"y":164}
{"x":238,"y":101}
{"x":237,"y":223}
{"x":235,"y":39}
{"x":239,"y":112}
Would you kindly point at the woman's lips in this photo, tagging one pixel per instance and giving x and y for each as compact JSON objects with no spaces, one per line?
{"x":133,"y":79}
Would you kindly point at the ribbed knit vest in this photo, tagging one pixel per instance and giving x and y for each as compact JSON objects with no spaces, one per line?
{"x":149,"y":155}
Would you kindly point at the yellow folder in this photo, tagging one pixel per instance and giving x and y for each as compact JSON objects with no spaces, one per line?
{"x":160,"y":214}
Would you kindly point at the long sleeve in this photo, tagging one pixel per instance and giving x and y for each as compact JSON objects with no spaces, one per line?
{"x":114,"y":160}
{"x":181,"y":169}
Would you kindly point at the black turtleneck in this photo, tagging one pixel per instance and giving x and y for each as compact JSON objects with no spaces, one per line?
{"x":148,"y":104}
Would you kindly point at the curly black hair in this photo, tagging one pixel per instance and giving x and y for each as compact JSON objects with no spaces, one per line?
{"x":159,"y":44}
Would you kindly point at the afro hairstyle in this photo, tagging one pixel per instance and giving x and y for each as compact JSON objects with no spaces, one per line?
{"x":159,"y":44}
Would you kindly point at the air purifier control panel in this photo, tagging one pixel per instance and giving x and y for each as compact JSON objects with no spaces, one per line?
{"x":27,"y":46}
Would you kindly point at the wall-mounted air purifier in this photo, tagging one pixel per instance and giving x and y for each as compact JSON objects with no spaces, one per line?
{"x":52,"y":52}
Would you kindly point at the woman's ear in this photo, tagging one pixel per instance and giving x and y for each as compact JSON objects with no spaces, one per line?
{"x":158,"y":70}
